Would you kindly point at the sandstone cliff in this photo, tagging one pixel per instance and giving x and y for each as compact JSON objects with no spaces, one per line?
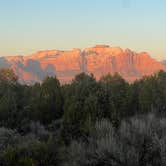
{"x":98,"y":60}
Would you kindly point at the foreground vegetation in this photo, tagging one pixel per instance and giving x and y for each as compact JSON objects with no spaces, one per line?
{"x":85,"y":123}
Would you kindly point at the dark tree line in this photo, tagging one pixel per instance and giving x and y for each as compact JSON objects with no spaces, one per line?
{"x":40,"y":124}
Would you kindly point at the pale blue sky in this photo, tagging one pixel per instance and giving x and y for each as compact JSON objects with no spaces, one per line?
{"x":27,"y":26}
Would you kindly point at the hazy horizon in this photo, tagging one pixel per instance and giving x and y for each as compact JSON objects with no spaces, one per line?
{"x":30,"y":26}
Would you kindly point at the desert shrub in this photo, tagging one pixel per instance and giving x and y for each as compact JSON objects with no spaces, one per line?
{"x":8,"y":137}
{"x":139,"y":141}
{"x":38,"y":148}
{"x":32,"y":152}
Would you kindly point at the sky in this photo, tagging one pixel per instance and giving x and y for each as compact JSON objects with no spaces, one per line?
{"x":27,"y":26}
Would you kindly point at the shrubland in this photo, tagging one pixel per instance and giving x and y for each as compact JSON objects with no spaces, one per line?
{"x":108,"y":122}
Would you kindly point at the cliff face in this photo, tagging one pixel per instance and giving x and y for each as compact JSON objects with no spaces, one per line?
{"x":129,"y":64}
{"x":98,"y":60}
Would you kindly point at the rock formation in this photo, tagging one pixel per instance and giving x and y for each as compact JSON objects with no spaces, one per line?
{"x":99,"y":60}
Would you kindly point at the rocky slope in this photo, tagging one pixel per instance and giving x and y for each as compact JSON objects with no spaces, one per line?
{"x":98,"y":60}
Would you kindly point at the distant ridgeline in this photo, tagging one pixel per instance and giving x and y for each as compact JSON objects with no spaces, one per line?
{"x":99,"y":60}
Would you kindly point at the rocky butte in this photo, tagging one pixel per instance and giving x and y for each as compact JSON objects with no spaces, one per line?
{"x":99,"y":60}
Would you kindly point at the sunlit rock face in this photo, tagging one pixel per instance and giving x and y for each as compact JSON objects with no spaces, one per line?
{"x":131,"y":65}
{"x":34,"y":68}
{"x":99,"y":60}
